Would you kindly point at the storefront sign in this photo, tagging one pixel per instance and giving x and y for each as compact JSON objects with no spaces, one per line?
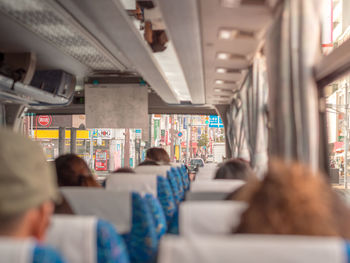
{"x":44,"y":120}
{"x":102,"y":133}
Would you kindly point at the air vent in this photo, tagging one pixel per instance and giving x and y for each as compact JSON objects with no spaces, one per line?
{"x":224,"y":90}
{"x":230,"y":34}
{"x":222,"y":96}
{"x":186,"y":102}
{"x":238,"y":3}
{"x":227,"y":56}
{"x":253,"y":2}
{"x":228,"y":70}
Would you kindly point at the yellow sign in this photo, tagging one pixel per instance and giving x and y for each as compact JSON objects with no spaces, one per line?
{"x":177,"y":152}
{"x":53,"y":134}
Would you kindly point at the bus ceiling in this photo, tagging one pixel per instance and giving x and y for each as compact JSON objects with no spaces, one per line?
{"x":209,"y":44}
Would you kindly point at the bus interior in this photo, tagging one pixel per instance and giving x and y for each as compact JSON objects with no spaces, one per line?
{"x":101,"y":79}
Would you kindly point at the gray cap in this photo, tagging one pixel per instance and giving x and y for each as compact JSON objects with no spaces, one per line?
{"x":26,"y":178}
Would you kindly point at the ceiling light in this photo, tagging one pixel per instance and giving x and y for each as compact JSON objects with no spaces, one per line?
{"x":230,"y":91}
{"x":221,"y":70}
{"x":227,"y":34}
{"x":219,"y":82}
{"x":223,"y":56}
{"x":231,"y":3}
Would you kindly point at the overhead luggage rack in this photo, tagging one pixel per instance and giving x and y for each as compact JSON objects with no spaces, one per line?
{"x":17,"y":92}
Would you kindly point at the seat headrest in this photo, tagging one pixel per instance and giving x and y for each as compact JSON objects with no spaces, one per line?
{"x":209,"y":218}
{"x":112,"y":206}
{"x":252,"y":249}
{"x":206,"y":196}
{"x":221,"y":185}
{"x":141,"y":183}
{"x":207,"y":172}
{"x":16,"y":250}
{"x":152,"y":169}
{"x":74,"y":237}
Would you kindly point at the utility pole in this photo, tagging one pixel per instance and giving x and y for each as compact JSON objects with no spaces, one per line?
{"x":191,"y":150}
{"x":92,"y":150}
{"x":187,"y":141}
{"x":172,"y":143}
{"x":346,"y":142}
{"x":127,"y":148}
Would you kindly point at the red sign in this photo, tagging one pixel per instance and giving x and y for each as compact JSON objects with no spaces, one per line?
{"x":101,"y":160}
{"x":45,"y":120}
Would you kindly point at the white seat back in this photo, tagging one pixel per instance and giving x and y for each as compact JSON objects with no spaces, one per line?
{"x":152,"y":169}
{"x":112,"y":206}
{"x":220,"y":185}
{"x":207,"y":172}
{"x":252,"y":249}
{"x":75,"y":237}
{"x":209,"y":218}
{"x":16,"y":250}
{"x":142,"y":183}
{"x":206,"y":196}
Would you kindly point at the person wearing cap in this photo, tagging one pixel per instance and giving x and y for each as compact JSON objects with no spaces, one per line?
{"x":28,"y":188}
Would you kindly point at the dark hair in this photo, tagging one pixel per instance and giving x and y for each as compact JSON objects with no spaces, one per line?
{"x":63,"y":207}
{"x":234,"y":169}
{"x":293,"y":200}
{"x":67,"y":175}
{"x":124,"y":170}
{"x":148,"y":162}
{"x":158,"y":155}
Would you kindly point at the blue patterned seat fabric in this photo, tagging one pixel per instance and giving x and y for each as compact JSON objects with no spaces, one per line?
{"x":158,"y":215}
{"x":347,"y":250}
{"x":110,"y":245}
{"x":166,"y":198}
{"x":45,"y":254}
{"x":174,"y":186}
{"x":178,"y":178}
{"x":185,"y":177}
{"x":173,"y":227}
{"x":142,"y":240}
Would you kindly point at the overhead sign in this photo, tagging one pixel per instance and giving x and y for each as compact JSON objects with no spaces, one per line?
{"x":215,"y":122}
{"x":44,"y":120}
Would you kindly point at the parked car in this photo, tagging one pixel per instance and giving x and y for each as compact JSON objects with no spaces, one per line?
{"x":195,"y":163}
{"x":210,"y":158}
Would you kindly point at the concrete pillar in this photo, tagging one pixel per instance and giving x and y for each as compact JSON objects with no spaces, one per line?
{"x":61,"y":140}
{"x":73,"y":140}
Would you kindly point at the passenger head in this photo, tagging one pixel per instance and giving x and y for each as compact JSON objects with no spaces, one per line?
{"x":292,"y":200}
{"x":148,"y":162}
{"x":73,"y":171}
{"x":124,"y":170}
{"x":234,"y":169}
{"x":158,"y":155}
{"x":28,"y":187}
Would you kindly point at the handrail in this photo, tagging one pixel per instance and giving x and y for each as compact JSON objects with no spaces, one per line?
{"x":29,"y":95}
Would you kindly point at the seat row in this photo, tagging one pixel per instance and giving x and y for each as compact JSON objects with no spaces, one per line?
{"x":113,"y":225}
{"x":206,"y":223}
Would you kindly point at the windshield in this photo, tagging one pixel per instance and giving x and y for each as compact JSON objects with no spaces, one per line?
{"x":197,"y":162}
